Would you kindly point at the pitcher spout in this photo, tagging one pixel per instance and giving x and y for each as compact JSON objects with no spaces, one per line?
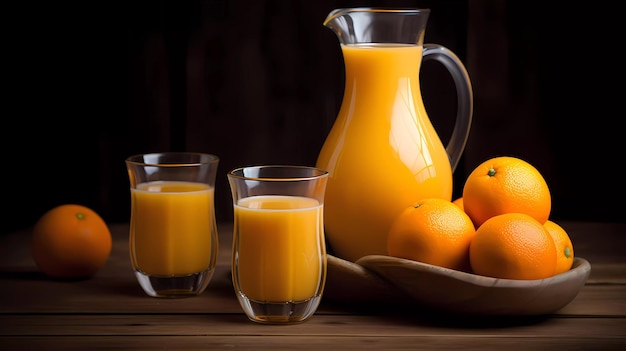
{"x":369,"y":25}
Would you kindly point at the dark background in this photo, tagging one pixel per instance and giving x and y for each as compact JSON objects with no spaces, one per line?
{"x":88,"y":84}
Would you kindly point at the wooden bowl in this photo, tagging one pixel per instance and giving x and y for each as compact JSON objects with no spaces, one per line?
{"x":384,"y":278}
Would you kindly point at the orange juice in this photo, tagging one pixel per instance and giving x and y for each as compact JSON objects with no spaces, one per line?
{"x":279,"y":244}
{"x":382,"y":153}
{"x":171,"y":227}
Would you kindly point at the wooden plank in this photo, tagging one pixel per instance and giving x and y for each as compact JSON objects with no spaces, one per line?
{"x":593,"y":300}
{"x":126,"y":297}
{"x":598,"y":300}
{"x":199,"y":324}
{"x":316,"y":342}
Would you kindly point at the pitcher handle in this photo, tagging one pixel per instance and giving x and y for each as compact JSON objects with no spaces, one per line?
{"x":465,"y":100}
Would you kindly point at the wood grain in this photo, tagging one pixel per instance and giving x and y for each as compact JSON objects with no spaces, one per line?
{"x":110,"y":311}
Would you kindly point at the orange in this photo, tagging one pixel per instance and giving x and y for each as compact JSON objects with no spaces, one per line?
{"x":564,"y":247}
{"x":433,"y":231}
{"x":459,"y":202}
{"x":70,"y":242}
{"x":513,"y":246}
{"x":506,"y":184}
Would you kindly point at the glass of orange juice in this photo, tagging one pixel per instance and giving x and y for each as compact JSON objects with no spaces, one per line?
{"x":173,"y":231}
{"x":279,"y":252}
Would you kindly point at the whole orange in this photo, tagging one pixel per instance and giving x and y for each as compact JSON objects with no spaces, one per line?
{"x":513,"y":246}
{"x":433,"y":231}
{"x":70,"y":242}
{"x":506,"y":184}
{"x":564,"y":247}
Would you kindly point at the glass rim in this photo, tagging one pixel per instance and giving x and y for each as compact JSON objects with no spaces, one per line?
{"x":179,"y":158}
{"x":382,"y":9}
{"x":396,"y":10}
{"x":239,"y":173}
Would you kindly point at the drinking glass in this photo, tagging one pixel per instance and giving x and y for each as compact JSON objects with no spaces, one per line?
{"x":279,"y":252}
{"x":173,"y":232}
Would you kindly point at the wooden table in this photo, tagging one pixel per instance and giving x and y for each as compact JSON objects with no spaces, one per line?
{"x":110,"y":311}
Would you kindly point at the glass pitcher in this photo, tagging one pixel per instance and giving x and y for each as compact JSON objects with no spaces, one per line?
{"x":383,"y":153}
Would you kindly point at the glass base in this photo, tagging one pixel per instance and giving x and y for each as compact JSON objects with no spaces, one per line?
{"x":279,"y":313}
{"x":174,"y":286}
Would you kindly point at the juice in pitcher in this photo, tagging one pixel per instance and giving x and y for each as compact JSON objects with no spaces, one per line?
{"x":172,"y":223}
{"x":383,"y":153}
{"x":279,"y":248}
